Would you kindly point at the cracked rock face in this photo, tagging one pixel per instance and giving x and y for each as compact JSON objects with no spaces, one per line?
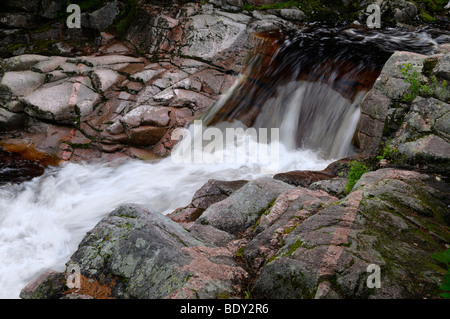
{"x":327,"y":254}
{"x":418,"y":129}
{"x":241,"y":210}
{"x":156,"y":257}
{"x":59,"y":89}
{"x":124,"y":105}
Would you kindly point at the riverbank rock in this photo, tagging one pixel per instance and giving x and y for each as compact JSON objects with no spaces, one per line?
{"x":298,"y":243}
{"x":42,"y":28}
{"x":381,"y":222}
{"x":334,"y":186}
{"x":115,"y":105}
{"x":409,"y":120}
{"x":303,"y":178}
{"x":47,"y":286}
{"x":10,"y":121}
{"x":212,"y":192}
{"x":241,"y":210}
{"x":155,"y":257}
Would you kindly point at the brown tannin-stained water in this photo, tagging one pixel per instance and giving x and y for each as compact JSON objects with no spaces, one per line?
{"x":15,"y":169}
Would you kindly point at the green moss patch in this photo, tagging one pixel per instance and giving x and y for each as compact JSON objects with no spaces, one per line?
{"x":126,"y":17}
{"x":315,"y":10}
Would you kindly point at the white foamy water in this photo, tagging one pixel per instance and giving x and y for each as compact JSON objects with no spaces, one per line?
{"x":43,"y":221}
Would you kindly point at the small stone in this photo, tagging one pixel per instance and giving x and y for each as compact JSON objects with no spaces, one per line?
{"x":145,"y":135}
{"x":47,"y":286}
{"x":303,"y":178}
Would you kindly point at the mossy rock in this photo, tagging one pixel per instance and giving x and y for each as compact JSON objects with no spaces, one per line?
{"x":393,"y":218}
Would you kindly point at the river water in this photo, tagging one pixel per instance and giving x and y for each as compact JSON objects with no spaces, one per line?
{"x":43,"y":220}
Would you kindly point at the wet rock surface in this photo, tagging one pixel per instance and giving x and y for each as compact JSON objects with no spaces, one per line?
{"x":303,"y":178}
{"x":117,"y":101}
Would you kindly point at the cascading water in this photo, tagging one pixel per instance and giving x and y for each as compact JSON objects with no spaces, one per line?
{"x":310,"y":83}
{"x":303,"y":89}
{"x":316,"y":125}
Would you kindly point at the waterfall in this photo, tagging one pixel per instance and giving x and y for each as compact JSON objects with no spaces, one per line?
{"x":325,"y":124}
{"x":310,"y":83}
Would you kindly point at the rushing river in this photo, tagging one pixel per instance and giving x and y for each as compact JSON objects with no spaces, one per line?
{"x":315,"y":104}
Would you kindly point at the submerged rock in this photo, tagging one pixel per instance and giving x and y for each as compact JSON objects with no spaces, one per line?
{"x":15,"y":169}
